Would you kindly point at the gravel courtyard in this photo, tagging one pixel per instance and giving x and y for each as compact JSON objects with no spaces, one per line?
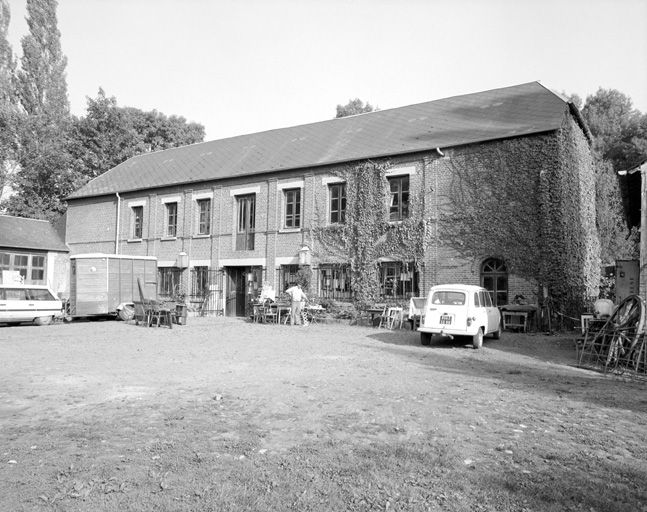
{"x":91,"y":411}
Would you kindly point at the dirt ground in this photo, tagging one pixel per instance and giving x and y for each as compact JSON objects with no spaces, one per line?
{"x":107,"y":415}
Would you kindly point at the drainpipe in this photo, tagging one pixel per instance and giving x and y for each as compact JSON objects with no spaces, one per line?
{"x":118,"y":222}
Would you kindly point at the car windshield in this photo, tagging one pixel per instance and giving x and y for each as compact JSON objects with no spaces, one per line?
{"x":448,"y":298}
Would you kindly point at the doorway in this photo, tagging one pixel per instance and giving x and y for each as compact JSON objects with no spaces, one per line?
{"x":243,"y":284}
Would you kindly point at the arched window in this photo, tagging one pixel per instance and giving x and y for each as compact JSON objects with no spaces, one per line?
{"x":494,"y":278}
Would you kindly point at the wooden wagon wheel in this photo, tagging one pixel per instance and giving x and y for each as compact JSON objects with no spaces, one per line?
{"x":628,"y":323}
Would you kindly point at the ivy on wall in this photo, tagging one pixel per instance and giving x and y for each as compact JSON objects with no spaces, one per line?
{"x":367,"y":233}
{"x":530,"y":202}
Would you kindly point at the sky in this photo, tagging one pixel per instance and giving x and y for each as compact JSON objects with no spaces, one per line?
{"x":243,"y":66}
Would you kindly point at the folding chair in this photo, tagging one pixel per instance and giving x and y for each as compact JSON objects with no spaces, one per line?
{"x":269,"y":313}
{"x":394,"y":316}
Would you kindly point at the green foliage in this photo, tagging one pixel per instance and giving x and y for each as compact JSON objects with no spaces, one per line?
{"x":54,"y":153}
{"x":9,"y":113}
{"x":619,"y":130}
{"x":491,"y":212}
{"x":620,"y":141}
{"x":108,"y":135}
{"x":616,"y":240}
{"x":304,"y":278}
{"x":531,"y":219}
{"x":47,"y":170}
{"x":43,"y":88}
{"x":354,"y":107}
{"x":367,"y":234}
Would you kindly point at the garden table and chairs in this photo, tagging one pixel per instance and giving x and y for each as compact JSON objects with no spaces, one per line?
{"x":314,"y":312}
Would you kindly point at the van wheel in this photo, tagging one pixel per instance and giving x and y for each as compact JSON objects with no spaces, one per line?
{"x":477,"y":339}
{"x":497,"y":334}
{"x":43,"y":320}
{"x":127,"y":313}
{"x":425,"y":338}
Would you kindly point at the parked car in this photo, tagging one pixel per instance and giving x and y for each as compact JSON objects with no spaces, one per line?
{"x":28,"y":303}
{"x":460,"y":310}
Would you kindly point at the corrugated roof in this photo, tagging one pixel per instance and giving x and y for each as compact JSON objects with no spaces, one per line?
{"x":496,"y":114}
{"x":21,"y":233}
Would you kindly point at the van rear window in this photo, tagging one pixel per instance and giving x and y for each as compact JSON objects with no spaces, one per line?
{"x":448,"y":298}
{"x":25,"y":294}
{"x":39,"y":294}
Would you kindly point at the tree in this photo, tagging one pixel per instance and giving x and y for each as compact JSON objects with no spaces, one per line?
{"x":43,"y":87}
{"x":46,"y":172}
{"x":9,"y":112}
{"x":619,"y":130}
{"x":109,"y":134}
{"x":158,"y":131}
{"x":619,"y":142}
{"x":354,"y":107}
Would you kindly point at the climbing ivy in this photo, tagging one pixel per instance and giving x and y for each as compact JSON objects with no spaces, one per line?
{"x":367,"y":233}
{"x":528,"y":201}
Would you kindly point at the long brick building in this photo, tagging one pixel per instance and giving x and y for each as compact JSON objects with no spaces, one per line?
{"x":498,"y":186}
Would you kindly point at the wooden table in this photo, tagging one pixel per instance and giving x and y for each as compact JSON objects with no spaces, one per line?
{"x":373,"y":312}
{"x":282,"y":309}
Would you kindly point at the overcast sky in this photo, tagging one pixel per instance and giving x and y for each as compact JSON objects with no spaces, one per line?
{"x":242,"y":66}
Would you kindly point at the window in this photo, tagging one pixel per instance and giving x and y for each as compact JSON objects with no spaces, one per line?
{"x":39,"y":294}
{"x":204,"y":216}
{"x":169,"y":281}
{"x":288,"y":276}
{"x":448,"y":298}
{"x":398,"y":279}
{"x":334,"y":281}
{"x":138,"y":221}
{"x":337,"y":203}
{"x":292,"y":208}
{"x":494,"y":278}
{"x":171,"y":220}
{"x":246,"y":222}
{"x":31,"y":267}
{"x":21,"y":264}
{"x":199,"y":282}
{"x":399,"y":206}
{"x":5,"y":261}
{"x":37,"y":268}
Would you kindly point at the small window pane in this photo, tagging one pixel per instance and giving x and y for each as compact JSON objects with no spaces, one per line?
{"x":138,"y":221}
{"x":171,"y":219}
{"x":293,"y":208}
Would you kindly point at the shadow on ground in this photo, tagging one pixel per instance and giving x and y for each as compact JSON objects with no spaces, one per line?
{"x":548,"y":366}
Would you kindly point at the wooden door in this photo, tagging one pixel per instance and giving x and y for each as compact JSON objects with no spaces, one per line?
{"x":235,"y":303}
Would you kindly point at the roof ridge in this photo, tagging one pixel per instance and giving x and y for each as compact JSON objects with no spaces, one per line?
{"x":321,"y":121}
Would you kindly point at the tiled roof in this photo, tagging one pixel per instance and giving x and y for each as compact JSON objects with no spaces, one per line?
{"x":21,"y":233}
{"x":496,"y":114}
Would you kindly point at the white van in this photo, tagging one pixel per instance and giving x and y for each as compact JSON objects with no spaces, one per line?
{"x":460,"y":310}
{"x":28,"y":303}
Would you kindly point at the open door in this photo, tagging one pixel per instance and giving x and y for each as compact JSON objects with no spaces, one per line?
{"x":235,"y":305}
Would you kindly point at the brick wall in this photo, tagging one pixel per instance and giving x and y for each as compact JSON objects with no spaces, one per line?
{"x":91,"y":223}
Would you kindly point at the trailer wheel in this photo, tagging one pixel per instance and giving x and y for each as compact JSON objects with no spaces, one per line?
{"x":127,"y":312}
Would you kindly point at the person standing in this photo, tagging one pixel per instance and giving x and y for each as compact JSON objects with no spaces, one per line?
{"x":298,"y":296}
